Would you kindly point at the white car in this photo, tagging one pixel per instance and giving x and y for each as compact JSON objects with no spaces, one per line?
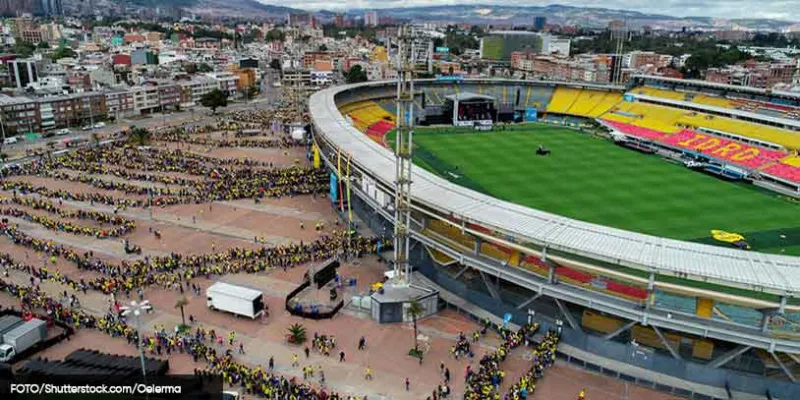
{"x":10,"y":140}
{"x":63,"y":132}
{"x":100,"y":125}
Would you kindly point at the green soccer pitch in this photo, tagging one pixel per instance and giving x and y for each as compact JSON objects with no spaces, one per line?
{"x":592,"y":179}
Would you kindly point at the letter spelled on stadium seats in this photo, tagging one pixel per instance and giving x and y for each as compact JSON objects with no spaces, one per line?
{"x":724,"y":150}
{"x":708,"y":144}
{"x":746,"y":154}
{"x":688,"y":142}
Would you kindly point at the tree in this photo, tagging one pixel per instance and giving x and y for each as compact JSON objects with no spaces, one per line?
{"x":140,"y":136}
{"x":181,"y":303}
{"x":323,"y":47}
{"x":297,"y":334}
{"x":275,"y":35}
{"x":43,"y":45}
{"x":24,"y":49}
{"x":414,"y":311}
{"x":356,"y":74}
{"x":204,"y":68}
{"x":63,"y":52}
{"x":214,"y":99}
{"x":95,"y":139}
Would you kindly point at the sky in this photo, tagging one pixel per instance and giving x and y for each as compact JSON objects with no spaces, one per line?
{"x":776,"y":9}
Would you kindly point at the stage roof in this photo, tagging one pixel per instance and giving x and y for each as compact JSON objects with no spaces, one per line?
{"x":464,"y":96}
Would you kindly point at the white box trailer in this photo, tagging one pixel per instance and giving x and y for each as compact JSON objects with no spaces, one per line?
{"x":8,"y":323}
{"x":235,"y":299}
{"x":22,"y":338}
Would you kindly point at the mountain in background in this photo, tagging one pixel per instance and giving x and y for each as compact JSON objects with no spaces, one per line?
{"x":223,"y":8}
{"x":588,"y":17}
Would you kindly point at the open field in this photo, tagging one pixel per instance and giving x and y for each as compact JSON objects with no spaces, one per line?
{"x":591,"y":179}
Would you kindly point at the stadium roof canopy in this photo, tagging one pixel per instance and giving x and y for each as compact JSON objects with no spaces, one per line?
{"x":721,"y":86}
{"x":467,"y":96}
{"x":778,"y":274}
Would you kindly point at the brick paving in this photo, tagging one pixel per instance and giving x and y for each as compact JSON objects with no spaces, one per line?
{"x":277,"y":221}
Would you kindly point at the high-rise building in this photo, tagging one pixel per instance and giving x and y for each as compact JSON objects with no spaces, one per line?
{"x":19,"y":7}
{"x":371,"y":18}
{"x":52,"y":7}
{"x":23,"y":72}
{"x":539,"y":23}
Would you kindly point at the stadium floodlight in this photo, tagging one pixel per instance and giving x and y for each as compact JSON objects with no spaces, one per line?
{"x":137,"y":309}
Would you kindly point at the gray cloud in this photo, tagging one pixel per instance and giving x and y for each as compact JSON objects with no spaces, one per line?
{"x":777,"y":9}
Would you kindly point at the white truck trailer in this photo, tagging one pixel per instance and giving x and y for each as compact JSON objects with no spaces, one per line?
{"x":235,"y":299}
{"x":22,"y":338}
{"x":8,"y":323}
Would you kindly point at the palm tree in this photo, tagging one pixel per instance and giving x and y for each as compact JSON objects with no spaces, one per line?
{"x":95,"y":139}
{"x":414,"y":311}
{"x":181,"y":303}
{"x":297,"y":334}
{"x":140,"y":136}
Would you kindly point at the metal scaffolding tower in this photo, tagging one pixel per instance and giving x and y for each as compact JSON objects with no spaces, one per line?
{"x":412,"y":53}
{"x":619,"y":34}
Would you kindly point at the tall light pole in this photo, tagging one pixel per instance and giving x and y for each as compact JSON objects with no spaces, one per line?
{"x":137,"y":309}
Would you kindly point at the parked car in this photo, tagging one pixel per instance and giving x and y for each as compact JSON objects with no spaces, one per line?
{"x":63,"y":132}
{"x":11,"y":140}
{"x":99,"y":125}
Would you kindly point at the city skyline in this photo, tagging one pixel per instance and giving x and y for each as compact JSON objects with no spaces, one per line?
{"x":734,"y":9}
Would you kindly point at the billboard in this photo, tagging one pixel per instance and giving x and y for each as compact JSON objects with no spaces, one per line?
{"x":334,"y":188}
{"x":444,"y":50}
{"x":531,"y":114}
{"x":449,"y":78}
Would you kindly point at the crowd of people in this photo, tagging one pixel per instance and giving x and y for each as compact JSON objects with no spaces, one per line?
{"x":485,"y":382}
{"x":223,"y":179}
{"x":323,"y":344}
{"x":544,"y":356}
{"x":254,"y":380}
{"x":184,"y":136}
{"x":61,"y":225}
{"x":120,"y":225}
{"x":175,"y":270}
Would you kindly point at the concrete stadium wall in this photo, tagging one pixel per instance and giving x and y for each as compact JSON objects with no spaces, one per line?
{"x":622,"y":352}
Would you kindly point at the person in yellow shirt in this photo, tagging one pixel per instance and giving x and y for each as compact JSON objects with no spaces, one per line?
{"x":582,"y":394}
{"x":368,"y":374}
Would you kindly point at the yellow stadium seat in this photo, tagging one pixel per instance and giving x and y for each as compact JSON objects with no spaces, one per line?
{"x":563,"y":98}
{"x":365,"y":113}
{"x":793,"y":161}
{"x":788,"y":139}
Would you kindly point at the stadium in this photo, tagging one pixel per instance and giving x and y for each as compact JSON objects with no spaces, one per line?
{"x":657,"y":223}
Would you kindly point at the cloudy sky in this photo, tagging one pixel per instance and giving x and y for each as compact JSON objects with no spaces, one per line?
{"x":778,"y":9}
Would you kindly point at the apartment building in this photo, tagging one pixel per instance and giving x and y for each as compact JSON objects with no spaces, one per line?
{"x":19,"y":114}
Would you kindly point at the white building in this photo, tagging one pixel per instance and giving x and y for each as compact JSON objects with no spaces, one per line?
{"x":192,"y":90}
{"x":371,"y":18}
{"x":145,"y":98}
{"x":227,"y":83}
{"x":552,"y":44}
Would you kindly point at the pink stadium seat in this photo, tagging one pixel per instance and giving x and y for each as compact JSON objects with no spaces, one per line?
{"x":637,"y":131}
{"x":724,"y":149}
{"x":787,"y":172}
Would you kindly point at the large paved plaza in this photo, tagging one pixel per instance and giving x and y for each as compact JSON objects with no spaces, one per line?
{"x":208,"y":192}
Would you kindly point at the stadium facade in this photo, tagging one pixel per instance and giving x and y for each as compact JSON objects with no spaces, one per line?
{"x":688,"y":318}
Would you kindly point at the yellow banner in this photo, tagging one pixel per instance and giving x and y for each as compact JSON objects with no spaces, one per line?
{"x":727,"y":237}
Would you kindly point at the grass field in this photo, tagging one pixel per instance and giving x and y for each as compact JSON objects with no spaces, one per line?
{"x":592,"y":179}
